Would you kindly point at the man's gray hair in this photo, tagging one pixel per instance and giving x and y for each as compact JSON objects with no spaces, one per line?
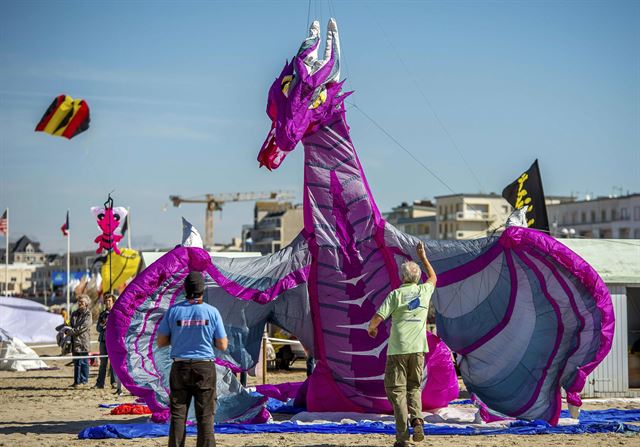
{"x":85,"y":299}
{"x":410,"y":272}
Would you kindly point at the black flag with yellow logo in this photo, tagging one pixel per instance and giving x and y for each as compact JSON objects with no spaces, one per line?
{"x":527,"y":191}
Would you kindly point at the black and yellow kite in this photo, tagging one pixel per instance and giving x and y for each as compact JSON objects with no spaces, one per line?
{"x":65,"y":117}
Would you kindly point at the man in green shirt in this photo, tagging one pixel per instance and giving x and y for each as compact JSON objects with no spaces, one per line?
{"x":408,"y":307}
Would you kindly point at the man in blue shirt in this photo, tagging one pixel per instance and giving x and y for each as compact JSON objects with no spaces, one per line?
{"x":192,"y":328}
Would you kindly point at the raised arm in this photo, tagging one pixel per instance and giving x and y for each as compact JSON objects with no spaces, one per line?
{"x":431,"y":274}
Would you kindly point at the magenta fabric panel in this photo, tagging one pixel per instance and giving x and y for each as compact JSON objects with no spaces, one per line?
{"x":281,"y":391}
{"x":442,"y":380}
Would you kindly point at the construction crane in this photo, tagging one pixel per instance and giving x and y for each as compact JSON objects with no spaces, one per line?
{"x":214,"y":202}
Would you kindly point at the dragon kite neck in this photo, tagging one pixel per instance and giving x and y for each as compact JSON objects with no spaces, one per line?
{"x":345,"y":231}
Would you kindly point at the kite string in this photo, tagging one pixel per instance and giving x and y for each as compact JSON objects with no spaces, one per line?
{"x":391,"y":137}
{"x":425,"y":98}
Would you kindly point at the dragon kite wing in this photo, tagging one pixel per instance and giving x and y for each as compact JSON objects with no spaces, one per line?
{"x":526,"y":315}
{"x":245,"y":292}
{"x":66,"y":117}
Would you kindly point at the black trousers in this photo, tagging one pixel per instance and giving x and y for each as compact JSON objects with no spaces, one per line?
{"x":195,"y":379}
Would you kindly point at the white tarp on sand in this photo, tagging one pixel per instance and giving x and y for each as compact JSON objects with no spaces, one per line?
{"x":13,"y":348}
{"x":27,"y":320}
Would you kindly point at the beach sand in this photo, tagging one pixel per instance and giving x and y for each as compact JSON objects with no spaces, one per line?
{"x":37,"y":408}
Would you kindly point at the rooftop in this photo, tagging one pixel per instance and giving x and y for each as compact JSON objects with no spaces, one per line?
{"x":492,"y":195}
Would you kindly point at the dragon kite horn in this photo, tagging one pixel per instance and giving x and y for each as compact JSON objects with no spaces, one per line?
{"x":316,"y":71}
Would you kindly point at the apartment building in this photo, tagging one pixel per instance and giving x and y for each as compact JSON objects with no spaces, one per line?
{"x":275,"y":225}
{"x":470,"y":216}
{"x":24,"y":251}
{"x":417,"y":219}
{"x":600,"y":218}
{"x":19,"y":278}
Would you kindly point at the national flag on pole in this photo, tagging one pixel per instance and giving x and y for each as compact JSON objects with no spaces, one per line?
{"x":527,"y":191}
{"x":3,"y":223}
{"x":65,"y":226}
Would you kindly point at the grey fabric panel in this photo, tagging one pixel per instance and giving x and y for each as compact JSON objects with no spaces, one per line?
{"x":264,"y":272}
{"x":528,"y":371}
{"x":471,"y":326}
{"x":504,"y":356}
{"x":443,"y":255}
{"x":244,"y":321}
{"x":292,"y":313}
{"x":458,"y":299}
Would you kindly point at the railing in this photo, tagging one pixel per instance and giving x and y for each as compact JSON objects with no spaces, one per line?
{"x":468,"y":215}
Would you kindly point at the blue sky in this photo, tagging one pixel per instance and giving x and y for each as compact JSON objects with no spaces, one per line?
{"x":177,"y":92}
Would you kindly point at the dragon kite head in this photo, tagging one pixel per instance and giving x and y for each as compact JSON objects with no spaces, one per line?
{"x":305,"y":95}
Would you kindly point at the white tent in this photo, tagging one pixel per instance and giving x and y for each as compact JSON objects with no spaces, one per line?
{"x":27,"y":320}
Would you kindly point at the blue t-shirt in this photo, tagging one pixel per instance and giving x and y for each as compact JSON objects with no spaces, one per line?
{"x":192,"y":328}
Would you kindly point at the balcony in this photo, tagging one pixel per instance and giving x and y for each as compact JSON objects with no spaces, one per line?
{"x":476,"y":216}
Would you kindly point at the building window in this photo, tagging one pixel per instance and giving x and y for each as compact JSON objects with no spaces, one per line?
{"x":623,"y":214}
{"x":593,"y":217}
{"x":614,"y":214}
{"x":583,"y":217}
{"x":603,"y":216}
{"x":636,"y":213}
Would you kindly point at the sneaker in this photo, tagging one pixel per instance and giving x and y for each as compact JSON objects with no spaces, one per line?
{"x":98,"y":387}
{"x":74,"y":385}
{"x":400,"y":444}
{"x":418,"y":430}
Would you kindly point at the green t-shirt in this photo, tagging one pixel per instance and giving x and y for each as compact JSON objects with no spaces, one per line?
{"x":408,"y":307}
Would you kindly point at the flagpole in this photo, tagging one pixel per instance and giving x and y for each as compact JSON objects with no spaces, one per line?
{"x":129,"y":226}
{"x":68,"y":270}
{"x":6,"y":259}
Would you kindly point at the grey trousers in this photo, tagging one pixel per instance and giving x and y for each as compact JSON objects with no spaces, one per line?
{"x":402,"y":380}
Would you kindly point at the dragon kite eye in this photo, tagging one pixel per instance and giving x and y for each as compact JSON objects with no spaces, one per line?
{"x":322,"y":97}
{"x":286,"y":82}
{"x":100,"y":216}
{"x":116,"y":217}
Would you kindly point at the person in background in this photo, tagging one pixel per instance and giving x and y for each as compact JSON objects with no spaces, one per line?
{"x":408,"y":307}
{"x":81,"y":323}
{"x":101,"y":327}
{"x":192,"y":328}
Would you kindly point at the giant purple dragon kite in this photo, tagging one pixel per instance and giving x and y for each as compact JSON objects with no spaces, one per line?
{"x":525,"y":314}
